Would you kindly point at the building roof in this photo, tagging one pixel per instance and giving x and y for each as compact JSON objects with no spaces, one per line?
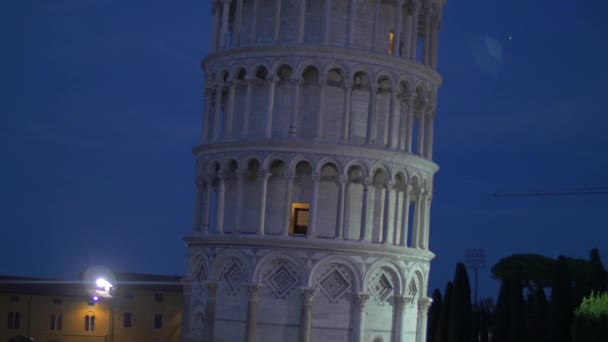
{"x":58,"y":287}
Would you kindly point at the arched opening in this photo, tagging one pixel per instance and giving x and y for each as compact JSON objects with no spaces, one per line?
{"x":301,"y":198}
{"x":376,"y":200}
{"x":275,"y":197}
{"x":339,"y":21}
{"x":334,"y":106}
{"x":214,"y":182}
{"x":266,"y":18}
{"x":402,"y":110}
{"x":327,"y":202}
{"x":359,"y":107}
{"x":230,"y":197}
{"x":238,"y":114}
{"x":382,"y":114}
{"x":251,"y":198}
{"x":364,"y":24}
{"x":283,"y":100}
{"x":259,"y":103}
{"x":309,"y":110}
{"x":354,"y":202}
{"x":314,"y":21}
{"x":289,"y":21}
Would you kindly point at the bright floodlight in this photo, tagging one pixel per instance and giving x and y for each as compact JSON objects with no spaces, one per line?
{"x":103,"y":284}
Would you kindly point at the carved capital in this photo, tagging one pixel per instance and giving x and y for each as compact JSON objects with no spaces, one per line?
{"x":348,"y":84}
{"x":289,"y":176}
{"x":360,"y":299}
{"x":342,"y":179}
{"x":390,"y":184}
{"x":265,"y":174}
{"x":253,"y":290}
{"x":316,"y":177}
{"x":211,"y":289}
{"x":423,"y":306}
{"x":308,"y":294}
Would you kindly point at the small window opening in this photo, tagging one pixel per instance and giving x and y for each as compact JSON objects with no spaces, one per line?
{"x":158,"y":321}
{"x":89,"y":323}
{"x":126,"y":320}
{"x":299,"y":218}
{"x":391,"y":41}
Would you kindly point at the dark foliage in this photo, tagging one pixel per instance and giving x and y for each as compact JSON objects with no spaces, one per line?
{"x":460,"y":318}
{"x":561,"y":306}
{"x":434,"y":313}
{"x":597,"y":273}
{"x":441,"y":334}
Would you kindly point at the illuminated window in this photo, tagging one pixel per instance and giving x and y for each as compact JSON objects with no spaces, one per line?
{"x":391,"y":40}
{"x":299,"y":218}
{"x":13,"y":320}
{"x":89,"y":323}
{"x":56,"y":321}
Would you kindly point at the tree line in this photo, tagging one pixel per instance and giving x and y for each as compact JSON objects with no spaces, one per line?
{"x":540,"y":299}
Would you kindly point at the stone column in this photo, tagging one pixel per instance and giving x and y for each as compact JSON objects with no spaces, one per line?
{"x":256,"y":18}
{"x":421,"y":129}
{"x":210,"y":310}
{"x":387,"y":223}
{"x":252,"y":311}
{"x":230,"y":111}
{"x":207,"y":205}
{"x":312,"y":223}
{"x":402,"y":122}
{"x":326,"y":20}
{"x":360,"y":301}
{"x":308,"y":294}
{"x":422,"y":221}
{"x":371,"y":115}
{"x":301,"y":20}
{"x":225,"y":12}
{"x":406,"y":215}
{"x":321,"y":116}
{"x":264,"y":175}
{"x":277,"y":20}
{"x":348,"y":90}
{"x":295,"y":110}
{"x":220,"y":204}
{"x":399,"y":316}
{"x":427,"y":37}
{"x":409,"y":131}
{"x":238,"y":22}
{"x":288,"y":194}
{"x":392,"y":125}
{"x":427,"y":221}
{"x":429,"y":136}
{"x":423,"y":307}
{"x":415,"y":243}
{"x":414,"y":33}
{"x":269,"y":112}
{"x":214,"y":28}
{"x":342,"y":179}
{"x":198,"y":206}
{"x":397,"y":37}
{"x":240,"y":176}
{"x":407,"y":34}
{"x":216,"y":113}
{"x":363,"y":232}
{"x":352,"y":19}
{"x":376,"y":27}
{"x":247,"y":111}
{"x":206,"y":131}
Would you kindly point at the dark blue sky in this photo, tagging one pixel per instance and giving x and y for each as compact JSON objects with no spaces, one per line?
{"x":101,"y":103}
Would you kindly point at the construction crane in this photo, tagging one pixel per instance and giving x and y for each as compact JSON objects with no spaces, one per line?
{"x":561,"y":192}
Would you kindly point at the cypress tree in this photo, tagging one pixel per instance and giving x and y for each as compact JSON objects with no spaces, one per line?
{"x":597,"y":281}
{"x":517,"y":315}
{"x":501,"y":319}
{"x":441,"y":333}
{"x":434,"y":313}
{"x":460,"y":318}
{"x":561,"y":306}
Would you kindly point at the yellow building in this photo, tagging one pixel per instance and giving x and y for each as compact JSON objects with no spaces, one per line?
{"x":143,"y":307}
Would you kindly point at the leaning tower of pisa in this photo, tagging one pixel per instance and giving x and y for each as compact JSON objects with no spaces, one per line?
{"x":314,"y":175}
